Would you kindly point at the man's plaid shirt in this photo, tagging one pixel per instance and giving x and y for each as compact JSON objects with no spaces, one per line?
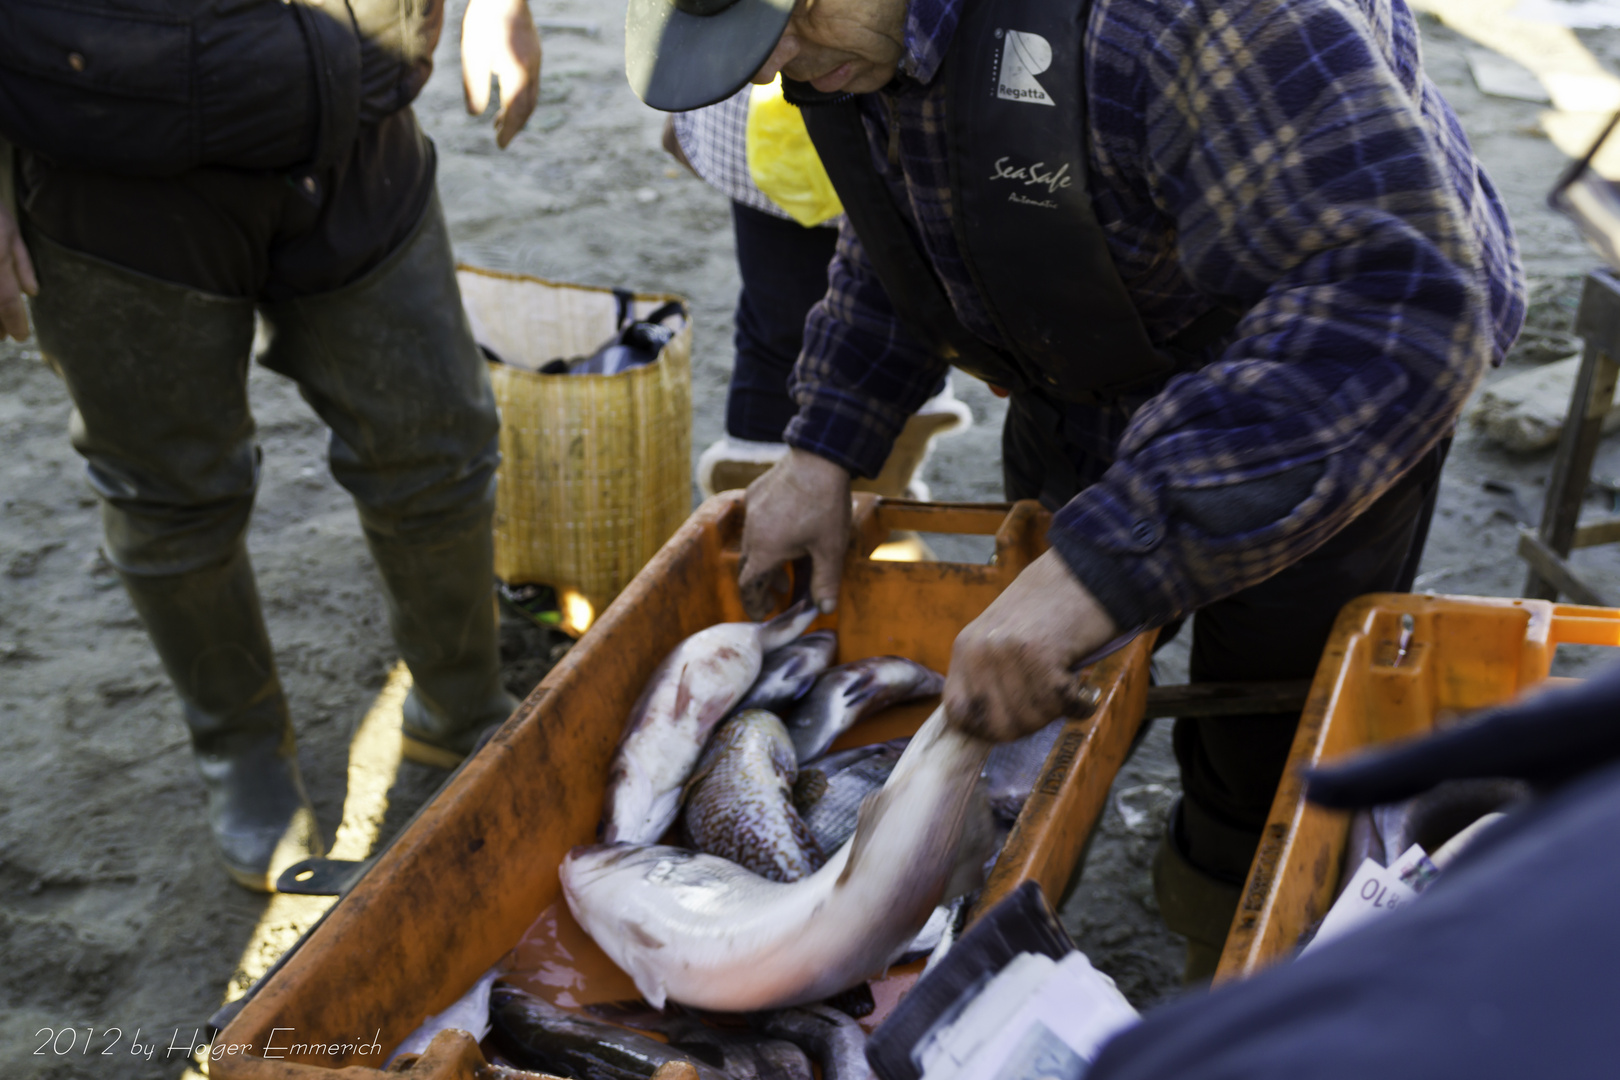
{"x":1284,"y":157}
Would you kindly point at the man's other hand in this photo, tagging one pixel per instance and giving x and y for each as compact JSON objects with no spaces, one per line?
{"x":800,"y":507}
{"x":1012,"y":667}
{"x":16,"y":279}
{"x":498,"y":38}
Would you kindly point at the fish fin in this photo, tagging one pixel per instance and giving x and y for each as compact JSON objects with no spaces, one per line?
{"x":978,"y":841}
{"x":787,"y":626}
{"x":643,"y":938}
{"x":808,"y":789}
{"x":806,"y":840}
{"x":683,"y":693}
{"x":866,"y":820}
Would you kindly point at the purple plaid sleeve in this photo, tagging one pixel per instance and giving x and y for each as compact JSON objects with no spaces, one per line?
{"x":860,"y":374}
{"x":1284,"y":157}
{"x":1304,"y":185}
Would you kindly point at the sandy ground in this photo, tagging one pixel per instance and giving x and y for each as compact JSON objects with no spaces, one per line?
{"x":113,"y":912}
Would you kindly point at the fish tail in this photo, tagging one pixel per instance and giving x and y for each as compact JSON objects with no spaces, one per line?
{"x":787,"y":626}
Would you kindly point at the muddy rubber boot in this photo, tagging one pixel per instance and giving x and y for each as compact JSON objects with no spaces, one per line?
{"x":441,"y":607}
{"x":1194,"y":903}
{"x":209,"y":630}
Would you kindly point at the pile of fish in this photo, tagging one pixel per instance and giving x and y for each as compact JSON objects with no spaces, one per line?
{"x":769,"y":1046}
{"x":799,"y":874}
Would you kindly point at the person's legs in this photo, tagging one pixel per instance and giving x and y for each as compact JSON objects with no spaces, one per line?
{"x":157,"y":372}
{"x":783,"y":267}
{"x":1275,"y":630}
{"x":389,"y":363}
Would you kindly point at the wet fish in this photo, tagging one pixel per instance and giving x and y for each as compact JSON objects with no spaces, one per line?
{"x":829,"y":792}
{"x":535,"y":1034}
{"x":849,"y":693}
{"x":1442,"y":812}
{"x":739,"y":802}
{"x":1014,"y":769}
{"x":703,"y":931}
{"x":836,"y":1042}
{"x":692,"y":691}
{"x":788,"y":672}
{"x":945,"y":922}
{"x":741,"y":1053}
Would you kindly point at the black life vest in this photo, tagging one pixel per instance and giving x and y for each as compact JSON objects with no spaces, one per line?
{"x":1018,"y":139}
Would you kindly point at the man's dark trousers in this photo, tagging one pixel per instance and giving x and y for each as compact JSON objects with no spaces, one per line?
{"x":1275,"y":630}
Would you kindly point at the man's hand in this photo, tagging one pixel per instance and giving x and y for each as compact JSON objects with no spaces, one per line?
{"x":800,"y":507}
{"x":498,"y":38}
{"x":16,"y":279}
{"x":672,"y":144}
{"x":1011,"y":667}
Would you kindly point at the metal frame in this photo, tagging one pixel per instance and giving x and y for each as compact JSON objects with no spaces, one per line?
{"x":1547,"y":548}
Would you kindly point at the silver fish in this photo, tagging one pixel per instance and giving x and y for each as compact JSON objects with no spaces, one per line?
{"x":1015,"y":767}
{"x":705,"y":932}
{"x":690,"y":692}
{"x":829,"y":792}
{"x":535,"y":1034}
{"x":836,"y":1042}
{"x":788,"y":673}
{"x":739,"y":802}
{"x":849,"y":693}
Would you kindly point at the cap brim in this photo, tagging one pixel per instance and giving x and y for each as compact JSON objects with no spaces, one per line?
{"x":676,"y":61}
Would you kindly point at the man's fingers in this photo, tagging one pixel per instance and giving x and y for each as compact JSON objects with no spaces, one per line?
{"x":475,"y":77}
{"x":760,"y":583}
{"x":14,"y":319}
{"x":1080,"y":699}
{"x":519,"y":72}
{"x":16,"y":278}
{"x":825,"y":573}
{"x":24,"y":266}
{"x":519,"y":95}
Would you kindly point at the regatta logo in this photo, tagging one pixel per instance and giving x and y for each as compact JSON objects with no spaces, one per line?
{"x":1023,"y":56}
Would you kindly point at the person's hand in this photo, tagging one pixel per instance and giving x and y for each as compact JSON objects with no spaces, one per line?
{"x":672,"y":144}
{"x":800,"y":507}
{"x":1012,"y":667}
{"x":498,"y":38}
{"x":16,"y":279}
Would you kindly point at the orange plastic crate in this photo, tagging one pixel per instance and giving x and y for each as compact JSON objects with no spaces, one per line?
{"x":1467,"y":653}
{"x":464,"y":882}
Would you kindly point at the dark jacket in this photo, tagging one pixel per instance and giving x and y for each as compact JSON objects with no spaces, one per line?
{"x":158,"y":87}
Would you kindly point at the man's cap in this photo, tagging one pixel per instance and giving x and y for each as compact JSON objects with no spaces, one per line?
{"x":684,"y":54}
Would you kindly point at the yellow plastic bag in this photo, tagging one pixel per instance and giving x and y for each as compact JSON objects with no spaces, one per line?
{"x":782,"y":160}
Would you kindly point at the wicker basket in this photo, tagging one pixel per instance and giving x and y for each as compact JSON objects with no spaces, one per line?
{"x":596,"y":469}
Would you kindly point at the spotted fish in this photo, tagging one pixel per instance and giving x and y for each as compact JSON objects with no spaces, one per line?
{"x":739,"y":802}
{"x":703,"y":931}
{"x":695,"y":687}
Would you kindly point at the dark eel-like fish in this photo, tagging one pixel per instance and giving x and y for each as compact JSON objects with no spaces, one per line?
{"x":534,"y":1034}
{"x":836,"y":1042}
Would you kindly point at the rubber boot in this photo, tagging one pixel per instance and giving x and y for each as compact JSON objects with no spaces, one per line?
{"x":158,"y":372}
{"x":388,"y":361}
{"x":209,"y":630}
{"x":1194,"y":903}
{"x":441,"y":608}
